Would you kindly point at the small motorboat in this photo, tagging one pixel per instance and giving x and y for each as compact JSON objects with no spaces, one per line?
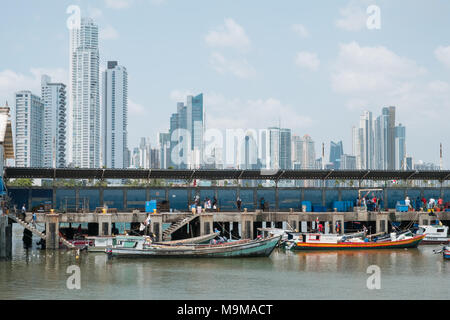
{"x":445,"y":252}
{"x":260,"y":247}
{"x":434,"y":234}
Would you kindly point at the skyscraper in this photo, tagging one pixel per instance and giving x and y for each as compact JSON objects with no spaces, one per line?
{"x":115,"y":116}
{"x":186,"y":133}
{"x":84,"y":94}
{"x":336,"y":151}
{"x":308,"y":153}
{"x":164,"y":150}
{"x":390,"y":112}
{"x":400,"y":147}
{"x":29,"y":131}
{"x":280,"y":148}
{"x":55,"y":122}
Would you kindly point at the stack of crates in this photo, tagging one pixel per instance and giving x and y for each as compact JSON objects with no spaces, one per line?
{"x":306,"y":206}
{"x":401,"y":206}
{"x":343,"y":206}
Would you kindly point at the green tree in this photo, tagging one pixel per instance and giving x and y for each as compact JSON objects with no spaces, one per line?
{"x":21,"y":182}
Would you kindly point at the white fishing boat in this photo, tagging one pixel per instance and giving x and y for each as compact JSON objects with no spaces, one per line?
{"x":434,"y":234}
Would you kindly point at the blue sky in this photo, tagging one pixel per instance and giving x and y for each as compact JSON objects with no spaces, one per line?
{"x":313,"y":66}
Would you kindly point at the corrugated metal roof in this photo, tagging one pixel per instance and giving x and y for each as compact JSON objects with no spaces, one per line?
{"x":75,"y":173}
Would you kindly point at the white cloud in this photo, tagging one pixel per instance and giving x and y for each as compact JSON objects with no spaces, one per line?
{"x":136,"y":109}
{"x":371,"y":69}
{"x":230,"y":35}
{"x":373,"y":77}
{"x":232,"y":113}
{"x":108,"y":33}
{"x":443,"y":55}
{"x":180,"y":95}
{"x":353,"y":16}
{"x":308,"y":60}
{"x":300,"y":30}
{"x":238,"y":67}
{"x":118,"y":4}
{"x":11,"y":81}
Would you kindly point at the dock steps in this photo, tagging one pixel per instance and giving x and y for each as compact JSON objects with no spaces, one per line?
{"x":30,"y":227}
{"x":177,"y":225}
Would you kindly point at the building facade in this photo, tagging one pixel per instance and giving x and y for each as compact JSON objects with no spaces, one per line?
{"x":115,"y":116}
{"x":29,"y":129}
{"x":84,"y":95}
{"x":55,"y":123}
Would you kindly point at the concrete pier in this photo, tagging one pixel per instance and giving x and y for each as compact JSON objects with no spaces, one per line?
{"x":104,"y":224}
{"x":5,"y":238}
{"x":206,"y":223}
{"x":247,"y":219}
{"x":52,"y":231}
{"x":156,"y":225}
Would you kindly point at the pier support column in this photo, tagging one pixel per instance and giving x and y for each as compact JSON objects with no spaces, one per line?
{"x":104,"y":224}
{"x":5,"y":238}
{"x":247,"y":220}
{"x":52,"y":231}
{"x":294,"y":221}
{"x":156,"y":226}
{"x":382,"y":222}
{"x":425,"y":219}
{"x":206,"y":223}
{"x":338,"y":218}
{"x":235,"y":231}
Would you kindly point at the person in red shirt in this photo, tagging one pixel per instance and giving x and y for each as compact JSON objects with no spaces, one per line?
{"x":424,"y":201}
{"x":320,"y":228}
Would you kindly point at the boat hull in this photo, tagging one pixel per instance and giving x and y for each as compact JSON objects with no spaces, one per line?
{"x":252,"y":248}
{"x":446,"y":253}
{"x":408,"y":243}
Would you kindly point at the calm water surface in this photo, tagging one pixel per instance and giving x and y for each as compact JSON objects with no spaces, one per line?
{"x":405,"y":274}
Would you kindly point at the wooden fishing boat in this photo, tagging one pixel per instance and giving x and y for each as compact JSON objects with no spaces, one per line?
{"x":328,"y":242}
{"x":99,"y":244}
{"x":195,"y":240}
{"x":260,"y":247}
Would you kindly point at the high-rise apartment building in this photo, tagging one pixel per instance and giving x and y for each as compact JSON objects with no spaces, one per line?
{"x":29,"y":129}
{"x":280,"y":148}
{"x":400,"y":147}
{"x":186,"y":133}
{"x":84,"y":94}
{"x":336,"y":151}
{"x":115,"y":116}
{"x":55,"y":123}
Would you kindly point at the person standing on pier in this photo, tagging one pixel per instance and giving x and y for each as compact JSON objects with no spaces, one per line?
{"x":239,"y":203}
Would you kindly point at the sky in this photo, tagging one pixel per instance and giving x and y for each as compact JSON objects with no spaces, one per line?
{"x":311,"y":66}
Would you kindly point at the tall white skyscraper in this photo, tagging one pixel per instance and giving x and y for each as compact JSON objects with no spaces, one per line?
{"x":84,"y":95}
{"x":400,"y":147}
{"x":29,"y":122}
{"x":115,"y":116}
{"x":54,"y":130}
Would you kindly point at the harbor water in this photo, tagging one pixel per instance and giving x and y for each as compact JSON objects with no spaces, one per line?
{"x":404,"y":274}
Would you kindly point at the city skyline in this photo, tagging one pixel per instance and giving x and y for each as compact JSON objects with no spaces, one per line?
{"x":213,"y":38}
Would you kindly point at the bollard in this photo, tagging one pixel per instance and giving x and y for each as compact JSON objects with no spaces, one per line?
{"x":245,"y":210}
{"x":154,"y":211}
{"x":104,"y":210}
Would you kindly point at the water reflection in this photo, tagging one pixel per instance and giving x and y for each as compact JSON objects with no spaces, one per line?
{"x":39,"y":274}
